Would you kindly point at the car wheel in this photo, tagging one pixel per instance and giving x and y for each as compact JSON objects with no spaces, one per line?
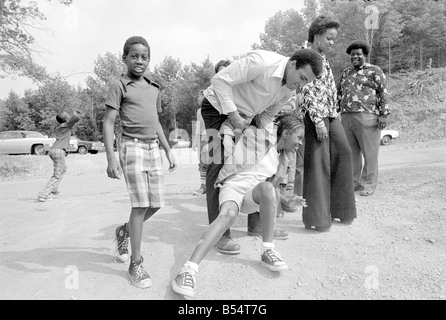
{"x":385,"y":141}
{"x":94,"y":151}
{"x":82,"y":150}
{"x":38,"y":150}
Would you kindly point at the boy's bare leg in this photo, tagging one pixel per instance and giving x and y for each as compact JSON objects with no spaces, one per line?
{"x":138,"y":276}
{"x":135,"y":229}
{"x":135,"y":226}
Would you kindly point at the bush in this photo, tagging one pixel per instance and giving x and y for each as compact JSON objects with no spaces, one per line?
{"x":23,"y":167}
{"x":417,"y":105}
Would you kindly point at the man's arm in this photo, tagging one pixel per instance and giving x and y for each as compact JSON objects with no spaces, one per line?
{"x":381,"y":93}
{"x":339,"y":89}
{"x":381,"y":98}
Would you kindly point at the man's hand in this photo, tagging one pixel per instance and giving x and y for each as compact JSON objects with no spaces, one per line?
{"x":237,"y":121}
{"x":382,"y":122}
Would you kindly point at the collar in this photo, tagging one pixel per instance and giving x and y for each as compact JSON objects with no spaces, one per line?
{"x":126,"y":80}
{"x":364,"y":66}
{"x":279,"y":72}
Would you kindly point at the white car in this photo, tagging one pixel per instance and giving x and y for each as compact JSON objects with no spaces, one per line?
{"x":24,"y":142}
{"x":387,"y":136}
{"x":180,"y":143}
{"x":84,"y":147}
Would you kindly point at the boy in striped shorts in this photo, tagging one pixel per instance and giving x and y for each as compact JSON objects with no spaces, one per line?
{"x":137,"y":100}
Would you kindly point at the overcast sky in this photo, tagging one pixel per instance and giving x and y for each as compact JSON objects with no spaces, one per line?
{"x":188,"y":30}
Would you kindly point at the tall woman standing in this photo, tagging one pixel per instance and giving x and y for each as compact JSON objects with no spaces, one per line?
{"x":328,"y":174}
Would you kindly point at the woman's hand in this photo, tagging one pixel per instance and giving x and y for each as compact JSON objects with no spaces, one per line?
{"x":322,"y":133}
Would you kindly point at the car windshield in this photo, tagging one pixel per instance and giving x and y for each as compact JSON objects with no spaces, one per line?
{"x":34,"y":135}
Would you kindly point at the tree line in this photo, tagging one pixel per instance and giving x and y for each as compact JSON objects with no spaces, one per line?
{"x":404,"y":35}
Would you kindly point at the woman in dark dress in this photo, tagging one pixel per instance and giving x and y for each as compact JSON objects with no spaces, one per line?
{"x":328,"y":174}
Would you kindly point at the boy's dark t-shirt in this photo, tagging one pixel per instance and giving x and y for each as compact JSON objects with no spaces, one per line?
{"x":63,"y":133}
{"x":138,"y":104}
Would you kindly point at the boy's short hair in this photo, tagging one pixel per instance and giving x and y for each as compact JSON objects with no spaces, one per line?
{"x":62,"y":117}
{"x":222,"y":63}
{"x":134,"y":40}
{"x":308,"y":56}
{"x":320,"y":25}
{"x":359,"y":44}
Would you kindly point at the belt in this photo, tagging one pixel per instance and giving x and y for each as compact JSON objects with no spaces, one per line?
{"x":148,"y":144}
{"x":136,"y":140}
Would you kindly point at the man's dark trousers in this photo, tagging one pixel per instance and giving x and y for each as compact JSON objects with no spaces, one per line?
{"x":213,"y":120}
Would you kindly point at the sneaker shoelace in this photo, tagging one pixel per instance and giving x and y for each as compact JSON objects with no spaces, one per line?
{"x":122,"y":240}
{"x":140,"y":273}
{"x":188,"y":280}
{"x":274,"y":256}
{"x":124,"y":243}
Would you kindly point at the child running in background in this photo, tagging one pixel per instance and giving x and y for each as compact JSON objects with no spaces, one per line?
{"x":137,"y":99}
{"x":251,"y":189}
{"x":58,"y":152}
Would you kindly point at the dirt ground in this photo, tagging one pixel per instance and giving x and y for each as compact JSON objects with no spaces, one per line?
{"x":63,"y":249}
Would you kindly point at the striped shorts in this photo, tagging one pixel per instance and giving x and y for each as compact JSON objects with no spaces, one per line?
{"x":142,"y":167}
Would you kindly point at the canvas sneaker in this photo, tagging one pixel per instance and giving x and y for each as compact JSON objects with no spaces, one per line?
{"x":273,"y":261}
{"x":42,"y":199}
{"x":184,"y":283}
{"x":138,"y":276}
{"x":122,"y":243}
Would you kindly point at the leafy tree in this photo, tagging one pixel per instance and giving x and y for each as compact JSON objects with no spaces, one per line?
{"x":107,"y":69}
{"x":193,"y":79}
{"x":390,"y":34}
{"x":423,"y":33}
{"x":168,"y":73}
{"x":16,"y":114}
{"x":17,"y":45}
{"x":54,"y":96}
{"x":310,"y":11}
{"x":285,"y":32}
{"x":3,"y":111}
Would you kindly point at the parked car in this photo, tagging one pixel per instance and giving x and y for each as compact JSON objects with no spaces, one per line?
{"x":387,"y":136}
{"x":84,"y":147}
{"x":179,"y":143}
{"x":72,"y":147}
{"x":24,"y":142}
